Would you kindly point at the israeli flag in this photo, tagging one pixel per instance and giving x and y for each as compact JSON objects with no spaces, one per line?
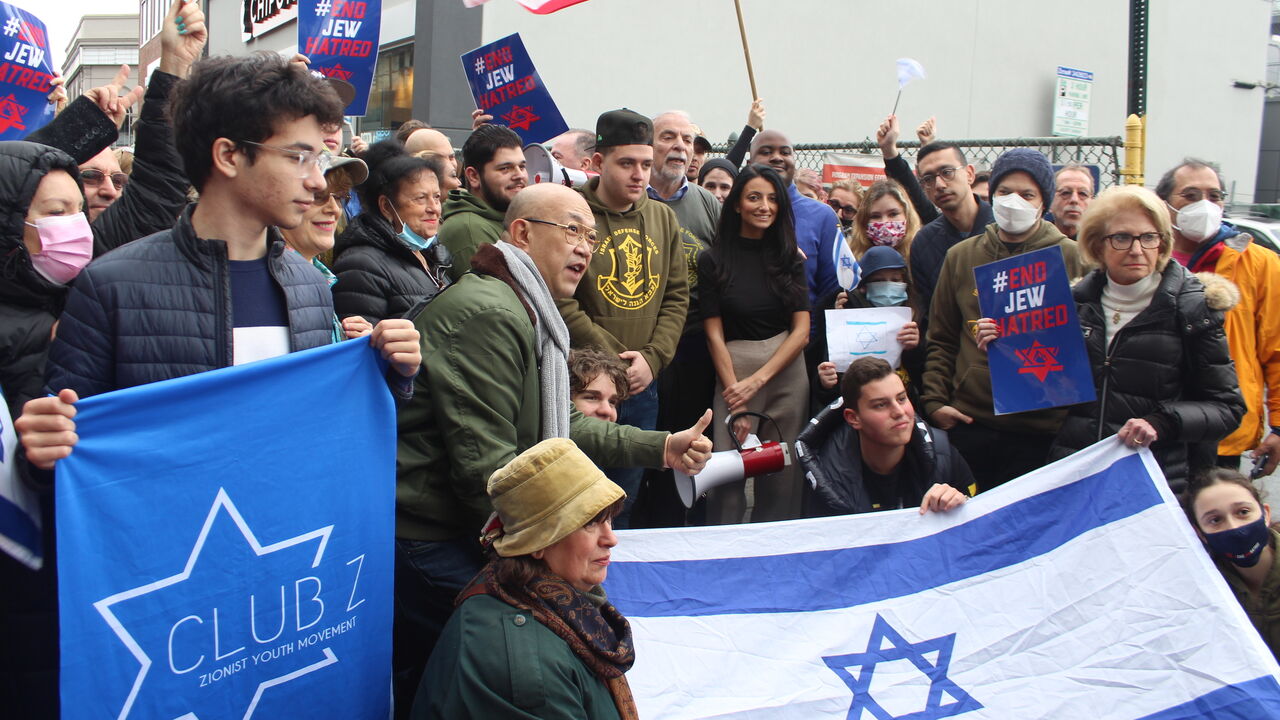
{"x":848,"y":273}
{"x":1077,"y":591}
{"x":19,"y":505}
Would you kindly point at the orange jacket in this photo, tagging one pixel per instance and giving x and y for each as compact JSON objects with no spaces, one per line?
{"x":1253,"y":334}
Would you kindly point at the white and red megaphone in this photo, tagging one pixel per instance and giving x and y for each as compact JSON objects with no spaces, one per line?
{"x":543,"y":167}
{"x":732,"y":465}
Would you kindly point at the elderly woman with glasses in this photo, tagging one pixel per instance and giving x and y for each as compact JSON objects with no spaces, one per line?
{"x":533,"y":635}
{"x":1161,"y":370}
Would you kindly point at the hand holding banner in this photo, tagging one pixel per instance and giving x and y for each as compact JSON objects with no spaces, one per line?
{"x":224,"y":544}
{"x":340,"y":38}
{"x":506,"y":85}
{"x":25,"y":74}
{"x":1039,"y":360}
{"x":865,"y":332}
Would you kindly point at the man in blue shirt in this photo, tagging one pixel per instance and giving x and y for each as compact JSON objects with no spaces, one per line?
{"x":817,"y":228}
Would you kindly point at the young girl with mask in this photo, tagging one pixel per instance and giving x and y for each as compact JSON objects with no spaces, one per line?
{"x":755,"y":309}
{"x":885,"y":219}
{"x":387,"y":260}
{"x":1235,"y":525}
{"x":884,"y":283}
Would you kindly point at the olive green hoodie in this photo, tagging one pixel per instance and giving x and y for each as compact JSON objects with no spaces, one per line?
{"x":635,"y":293}
{"x":468,"y":223}
{"x":956,"y":372}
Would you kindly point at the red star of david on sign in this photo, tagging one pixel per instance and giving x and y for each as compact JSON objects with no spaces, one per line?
{"x":11,"y":113}
{"x":521,"y":117}
{"x":1039,"y":360}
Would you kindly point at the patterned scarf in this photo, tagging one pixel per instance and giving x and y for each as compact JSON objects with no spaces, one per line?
{"x":599,"y":636}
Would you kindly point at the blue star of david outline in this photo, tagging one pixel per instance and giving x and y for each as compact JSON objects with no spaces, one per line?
{"x":221,"y":502}
{"x":868,"y":338}
{"x":900,"y":649}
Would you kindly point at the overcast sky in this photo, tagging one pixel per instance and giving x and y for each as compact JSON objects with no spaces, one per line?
{"x":63,"y":16}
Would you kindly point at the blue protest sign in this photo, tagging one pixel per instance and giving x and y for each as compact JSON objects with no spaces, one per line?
{"x":1040,"y":360}
{"x":25,"y":71}
{"x":505,"y":84}
{"x":340,"y":38}
{"x":225,"y":544}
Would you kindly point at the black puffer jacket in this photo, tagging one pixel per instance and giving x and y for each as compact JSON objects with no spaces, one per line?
{"x":378,"y":276}
{"x":1169,"y":366}
{"x":160,"y":308}
{"x":29,"y":303}
{"x":831,"y":455}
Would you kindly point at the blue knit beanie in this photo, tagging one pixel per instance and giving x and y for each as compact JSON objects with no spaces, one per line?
{"x":1032,"y":162}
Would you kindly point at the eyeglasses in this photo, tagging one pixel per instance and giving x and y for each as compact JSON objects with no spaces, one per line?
{"x":95,"y":177}
{"x":1124,"y":241}
{"x":840,"y":208}
{"x":575,"y":232}
{"x":323,"y":196}
{"x":1195,"y":195}
{"x":946,"y":173}
{"x":307,"y":159}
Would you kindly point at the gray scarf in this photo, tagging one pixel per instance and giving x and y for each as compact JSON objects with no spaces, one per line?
{"x":552,"y":340}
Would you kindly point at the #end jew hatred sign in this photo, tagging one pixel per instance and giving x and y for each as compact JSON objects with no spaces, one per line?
{"x":1039,"y":359}
{"x":26,"y":70}
{"x":506,"y":85}
{"x":1076,"y":591}
{"x":340,"y":38}
{"x":225,"y":544}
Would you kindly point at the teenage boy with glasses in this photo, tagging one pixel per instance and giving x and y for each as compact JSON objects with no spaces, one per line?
{"x":217,"y":289}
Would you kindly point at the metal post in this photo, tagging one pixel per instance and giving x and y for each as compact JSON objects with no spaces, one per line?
{"x":1138,"y":15}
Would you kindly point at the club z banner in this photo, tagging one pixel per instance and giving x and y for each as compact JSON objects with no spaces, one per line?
{"x":225,"y":544}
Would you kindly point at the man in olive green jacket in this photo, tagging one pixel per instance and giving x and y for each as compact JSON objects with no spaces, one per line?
{"x":480,"y":403}
{"x":493,"y":171}
{"x":957,"y":381}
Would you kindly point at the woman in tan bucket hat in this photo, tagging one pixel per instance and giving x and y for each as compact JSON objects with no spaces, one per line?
{"x":533,"y":635}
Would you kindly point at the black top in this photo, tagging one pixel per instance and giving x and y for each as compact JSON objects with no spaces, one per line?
{"x":886,"y":491}
{"x":747,"y":306}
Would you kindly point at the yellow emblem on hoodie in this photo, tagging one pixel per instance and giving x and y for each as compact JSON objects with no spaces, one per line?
{"x":632,"y":280}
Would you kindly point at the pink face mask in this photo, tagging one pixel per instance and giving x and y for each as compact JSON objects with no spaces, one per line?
{"x":66,"y":246}
{"x":887,"y":232}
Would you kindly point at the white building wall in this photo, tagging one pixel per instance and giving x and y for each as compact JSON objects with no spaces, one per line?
{"x":826,"y":67}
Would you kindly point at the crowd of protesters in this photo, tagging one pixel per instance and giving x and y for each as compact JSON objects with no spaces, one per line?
{"x":535,"y":333}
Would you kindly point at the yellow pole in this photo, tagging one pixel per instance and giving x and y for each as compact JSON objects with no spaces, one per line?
{"x":1134,"y":150}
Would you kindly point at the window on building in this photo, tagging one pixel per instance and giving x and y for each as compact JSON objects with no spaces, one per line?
{"x":391,"y":97}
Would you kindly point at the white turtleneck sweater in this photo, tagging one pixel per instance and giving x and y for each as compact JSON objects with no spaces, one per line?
{"x":1122,"y":303}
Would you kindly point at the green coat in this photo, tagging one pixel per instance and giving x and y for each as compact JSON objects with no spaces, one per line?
{"x":476,"y":406}
{"x":495,"y":662}
{"x":1263,"y":608}
{"x":467,"y":223}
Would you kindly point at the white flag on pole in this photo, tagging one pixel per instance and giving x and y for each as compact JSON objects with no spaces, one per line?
{"x":909,"y":70}
{"x":1077,"y":591}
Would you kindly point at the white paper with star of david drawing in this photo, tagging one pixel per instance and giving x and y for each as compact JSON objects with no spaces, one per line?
{"x":1076,"y":591}
{"x":865,"y":332}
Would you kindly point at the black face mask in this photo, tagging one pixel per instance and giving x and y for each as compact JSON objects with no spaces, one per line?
{"x":1240,"y":546}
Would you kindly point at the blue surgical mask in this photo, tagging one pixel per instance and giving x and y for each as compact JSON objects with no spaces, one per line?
{"x":886,"y":293}
{"x":1241,"y":546}
{"x":408,"y":236}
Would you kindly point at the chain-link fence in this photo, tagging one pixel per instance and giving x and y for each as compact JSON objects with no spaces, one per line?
{"x":1101,"y":151}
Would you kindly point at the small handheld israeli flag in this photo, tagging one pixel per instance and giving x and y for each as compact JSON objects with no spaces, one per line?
{"x":19,"y":506}
{"x":847,"y":271}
